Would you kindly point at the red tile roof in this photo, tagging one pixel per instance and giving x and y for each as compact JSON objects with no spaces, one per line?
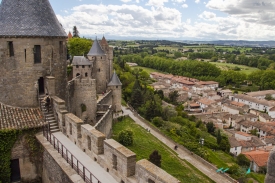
{"x":20,"y":118}
{"x":259,"y":157}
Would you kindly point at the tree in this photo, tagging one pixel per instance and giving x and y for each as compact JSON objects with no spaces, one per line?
{"x":219,"y":137}
{"x":224,"y":145}
{"x":157,"y":121}
{"x":75,"y":32}
{"x":268,"y":97}
{"x":242,"y":160}
{"x":173,"y":96}
{"x":155,"y":158}
{"x":125,"y":137}
{"x":210,"y":127}
{"x":137,"y":96}
{"x":79,"y":46}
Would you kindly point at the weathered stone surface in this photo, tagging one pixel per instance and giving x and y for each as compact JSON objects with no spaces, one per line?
{"x":19,"y":73}
{"x":270,"y":176}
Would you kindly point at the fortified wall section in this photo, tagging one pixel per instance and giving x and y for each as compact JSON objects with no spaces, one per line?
{"x":107,"y":99}
{"x":116,"y":159}
{"x":19,"y":71}
{"x":104,"y":125}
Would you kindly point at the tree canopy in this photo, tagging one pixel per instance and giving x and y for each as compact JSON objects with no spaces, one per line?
{"x":79,"y":46}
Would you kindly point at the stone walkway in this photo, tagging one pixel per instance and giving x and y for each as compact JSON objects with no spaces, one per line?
{"x":91,"y":165}
{"x":182,"y":153}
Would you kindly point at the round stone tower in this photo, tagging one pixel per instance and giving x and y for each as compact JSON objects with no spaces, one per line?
{"x":100,"y":66}
{"x":32,"y":46}
{"x":115,"y":85}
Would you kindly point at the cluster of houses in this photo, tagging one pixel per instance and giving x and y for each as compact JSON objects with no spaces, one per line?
{"x":248,"y":119}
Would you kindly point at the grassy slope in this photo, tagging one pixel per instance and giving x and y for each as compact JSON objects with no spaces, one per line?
{"x":226,"y":66}
{"x":145,"y":144}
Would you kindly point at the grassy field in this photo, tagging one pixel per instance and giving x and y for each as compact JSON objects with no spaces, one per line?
{"x":228,"y":66}
{"x":258,"y":177}
{"x":145,"y":144}
{"x":148,"y":70}
{"x":229,"y":48}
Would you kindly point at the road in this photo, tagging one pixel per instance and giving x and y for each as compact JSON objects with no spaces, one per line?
{"x":182,"y":153}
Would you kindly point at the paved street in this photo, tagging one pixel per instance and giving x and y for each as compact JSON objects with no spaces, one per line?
{"x":183,"y":154}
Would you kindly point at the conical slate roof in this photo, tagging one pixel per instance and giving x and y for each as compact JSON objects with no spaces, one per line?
{"x":103,"y":42}
{"x":115,"y":80}
{"x":31,"y":18}
{"x":96,"y":49}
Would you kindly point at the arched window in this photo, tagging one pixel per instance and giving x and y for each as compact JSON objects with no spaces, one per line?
{"x":77,"y":74}
{"x":86,"y":74}
{"x":89,"y":142}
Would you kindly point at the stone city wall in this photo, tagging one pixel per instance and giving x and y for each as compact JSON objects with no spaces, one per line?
{"x":105,"y":124}
{"x":19,"y":73}
{"x":116,"y":159}
{"x":270,"y":175}
{"x":107,"y":99}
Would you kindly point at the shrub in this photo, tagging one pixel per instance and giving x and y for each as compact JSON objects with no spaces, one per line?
{"x":155,"y":158}
{"x":125,"y":137}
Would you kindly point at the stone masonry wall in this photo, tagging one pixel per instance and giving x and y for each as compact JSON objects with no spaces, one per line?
{"x":105,"y":124}
{"x":270,"y":175}
{"x":119,"y":161}
{"x":85,"y":94}
{"x":107,"y":99}
{"x":19,"y":73}
{"x":59,"y":109}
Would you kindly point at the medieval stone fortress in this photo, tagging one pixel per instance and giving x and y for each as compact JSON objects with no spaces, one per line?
{"x":75,"y":141}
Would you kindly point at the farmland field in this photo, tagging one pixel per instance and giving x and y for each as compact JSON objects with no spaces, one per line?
{"x":228,"y":66}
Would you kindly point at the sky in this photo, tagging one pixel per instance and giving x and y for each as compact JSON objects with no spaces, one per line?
{"x":169,"y":19}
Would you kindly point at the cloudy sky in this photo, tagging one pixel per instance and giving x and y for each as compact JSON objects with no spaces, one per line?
{"x":169,"y":19}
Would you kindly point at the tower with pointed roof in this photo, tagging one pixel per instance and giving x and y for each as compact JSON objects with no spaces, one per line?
{"x":109,"y":53}
{"x":32,"y":47}
{"x":100,"y":66}
{"x":115,"y":85}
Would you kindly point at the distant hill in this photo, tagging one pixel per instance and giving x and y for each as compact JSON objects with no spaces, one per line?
{"x":234,"y":43}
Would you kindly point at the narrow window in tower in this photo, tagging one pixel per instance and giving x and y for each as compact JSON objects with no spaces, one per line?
{"x":98,"y":70}
{"x":83,"y":66}
{"x":25,"y":55}
{"x":37,"y":54}
{"x":86,"y":74}
{"x":60,"y":47}
{"x":11,"y":50}
{"x":89,"y":142}
{"x":114,"y":162}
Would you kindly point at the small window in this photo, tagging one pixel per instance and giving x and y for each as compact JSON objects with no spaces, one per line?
{"x":98,"y":70}
{"x":77,"y":66}
{"x":116,"y":86}
{"x":77,"y":74}
{"x":151,"y":181}
{"x":86,"y":74}
{"x":37,"y":54}
{"x":71,"y":129}
{"x":11,"y":50}
{"x":114,"y":162}
{"x":89,"y":142}
{"x":83,"y":66}
{"x":60,"y":47}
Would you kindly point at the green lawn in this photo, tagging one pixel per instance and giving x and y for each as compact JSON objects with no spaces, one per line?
{"x":145,"y":144}
{"x":258,"y":177}
{"x":228,"y":66}
{"x":229,"y":48}
{"x":148,"y":70}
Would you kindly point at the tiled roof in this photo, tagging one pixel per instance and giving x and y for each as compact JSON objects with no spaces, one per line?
{"x":96,"y":49}
{"x":115,"y":80}
{"x":261,"y":93}
{"x":20,"y":118}
{"x":233,"y":142}
{"x":255,"y":100}
{"x":30,"y":18}
{"x":259,"y":157}
{"x":254,"y":142}
{"x":81,"y":60}
{"x":206,"y":101}
{"x":243,"y":134}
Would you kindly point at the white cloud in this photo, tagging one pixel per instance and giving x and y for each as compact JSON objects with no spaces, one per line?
{"x":207,"y":15}
{"x":156,"y":2}
{"x":137,"y":1}
{"x":248,"y":10}
{"x":178,"y":1}
{"x":185,"y":5}
{"x":197,"y":1}
{"x":162,"y":22}
{"x":126,"y":1}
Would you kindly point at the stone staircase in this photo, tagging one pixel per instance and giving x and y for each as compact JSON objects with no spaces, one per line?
{"x":49,"y":116}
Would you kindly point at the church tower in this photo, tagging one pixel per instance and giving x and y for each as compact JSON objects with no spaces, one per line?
{"x":32,"y":47}
{"x":100,"y":67}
